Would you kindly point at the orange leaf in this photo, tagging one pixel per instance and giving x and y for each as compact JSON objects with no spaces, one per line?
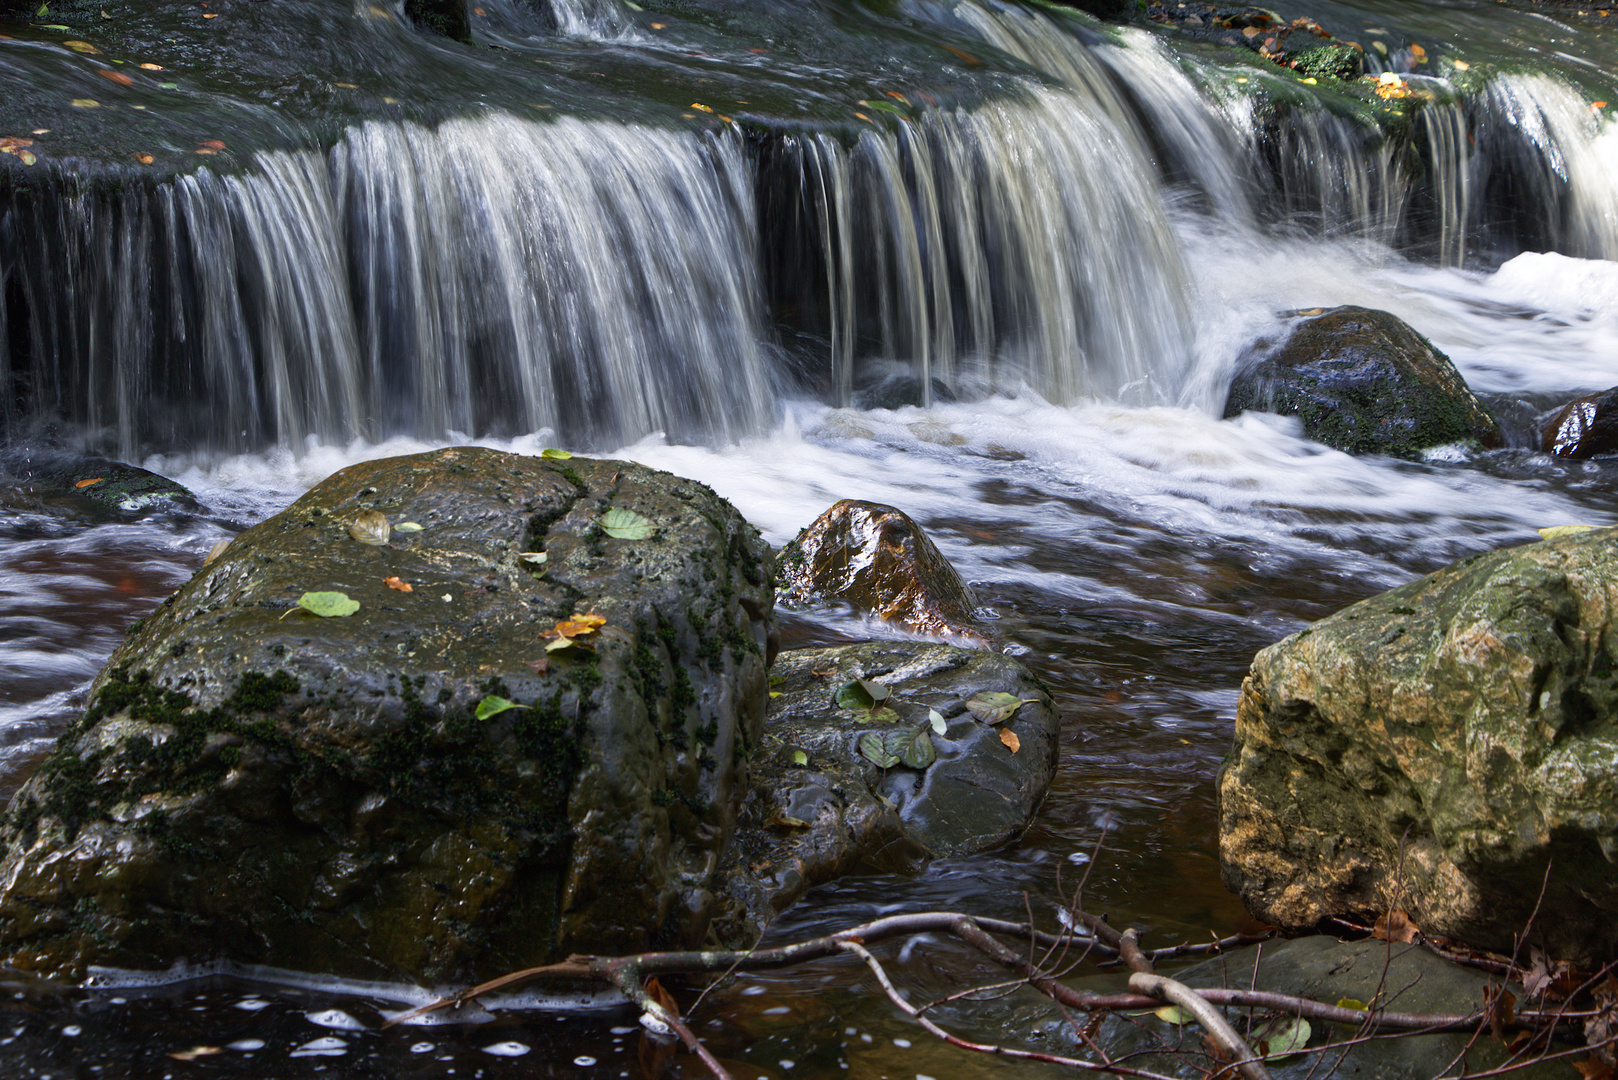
{"x":1009,"y":737}
{"x":144,"y":159}
{"x":1594,"y":1069}
{"x":10,"y":144}
{"x":204,"y":150}
{"x":116,"y":76}
{"x":395,"y":583}
{"x":152,"y":67}
{"x":87,"y":483}
{"x":214,"y":143}
{"x":963,"y":54}
{"x":1395,"y":926}
{"x":577,"y":626}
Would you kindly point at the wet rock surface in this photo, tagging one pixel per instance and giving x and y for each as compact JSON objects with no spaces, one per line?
{"x":254,"y":781}
{"x":1364,"y":382}
{"x":96,"y":483}
{"x":1435,"y":749}
{"x":876,"y":558}
{"x":1584,"y":428}
{"x":834,"y":812}
{"x":1328,"y":970}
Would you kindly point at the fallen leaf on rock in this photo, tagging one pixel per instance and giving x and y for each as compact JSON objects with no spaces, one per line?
{"x":494,"y":705}
{"x":621,"y":524}
{"x":579,"y":625}
{"x":407,"y":526}
{"x":81,"y":47}
{"x":116,"y":76}
{"x":1009,"y":737}
{"x":87,"y":483}
{"x":395,"y":583}
{"x":554,"y":454}
{"x":328,"y":605}
{"x":1556,"y":531}
{"x":789,"y":822}
{"x":1395,"y":926}
{"x":196,"y":1052}
{"x":540,"y":666}
{"x":215,"y":551}
{"x":700,"y":107}
{"x":144,"y":159}
{"x":799,"y":757}
{"x":370,"y":527}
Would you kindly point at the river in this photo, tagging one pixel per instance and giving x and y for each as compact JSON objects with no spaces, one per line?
{"x":1058,"y":266}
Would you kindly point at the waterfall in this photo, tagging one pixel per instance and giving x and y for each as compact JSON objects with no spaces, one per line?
{"x":495,"y":275}
{"x":1013,"y":244}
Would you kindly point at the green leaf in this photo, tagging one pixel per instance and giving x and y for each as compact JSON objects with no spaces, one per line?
{"x":880,"y":715}
{"x":874,"y":749}
{"x":494,"y":705}
{"x":862,"y":694}
{"x":328,"y":605}
{"x":169,"y":85}
{"x":884,"y":106}
{"x":778,"y":680}
{"x":621,"y":524}
{"x":407,"y":526}
{"x":995,"y":708}
{"x":1173,"y":1014}
{"x":799,"y":757}
{"x":936,"y":719}
{"x":1289,"y":1037}
{"x":554,"y":454}
{"x":44,"y":9}
{"x":854,"y":696}
{"x":1353,"y":1003}
{"x":532,"y":558}
{"x":1556,"y":531}
{"x":915,"y":748}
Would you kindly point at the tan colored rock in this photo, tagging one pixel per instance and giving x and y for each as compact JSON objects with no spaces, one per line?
{"x":1438,"y":748}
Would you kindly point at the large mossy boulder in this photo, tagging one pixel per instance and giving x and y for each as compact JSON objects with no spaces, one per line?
{"x":1447,"y":748}
{"x":879,"y":561}
{"x":819,"y":809}
{"x":255,"y":781}
{"x":1584,"y":428}
{"x":1364,"y":382}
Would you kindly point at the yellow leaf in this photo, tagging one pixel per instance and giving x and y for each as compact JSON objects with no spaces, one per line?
{"x":153,"y":67}
{"x":1009,"y":737}
{"x":86,"y":103}
{"x":699,"y":106}
{"x":81,"y":47}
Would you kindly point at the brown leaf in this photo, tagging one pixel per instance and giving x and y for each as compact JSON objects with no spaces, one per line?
{"x":395,"y":583}
{"x":10,"y":144}
{"x":1502,"y":1006}
{"x":1009,"y":737}
{"x":1395,"y":926}
{"x":576,"y":626}
{"x":655,"y":991}
{"x":212,"y":144}
{"x":116,"y":76}
{"x":1594,"y":1069}
{"x":541,"y":665}
{"x":144,"y":159}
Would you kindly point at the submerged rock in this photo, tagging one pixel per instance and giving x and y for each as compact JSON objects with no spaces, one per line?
{"x":1437,"y":749}
{"x":255,"y":781}
{"x":819,"y":809}
{"x":1328,"y":970}
{"x":1364,"y":382}
{"x":1584,"y":428}
{"x":877,"y":558}
{"x":109,"y":485}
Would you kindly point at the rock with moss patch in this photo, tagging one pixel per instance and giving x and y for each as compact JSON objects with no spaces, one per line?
{"x":876,"y":558}
{"x":257,"y":782}
{"x":1333,"y":60}
{"x":1584,"y":428}
{"x":820,"y":810}
{"x":92,"y":484}
{"x":1438,"y":748}
{"x":1364,"y":382}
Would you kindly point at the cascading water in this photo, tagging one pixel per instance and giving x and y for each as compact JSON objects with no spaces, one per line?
{"x":493,"y":275}
{"x":993,"y":248}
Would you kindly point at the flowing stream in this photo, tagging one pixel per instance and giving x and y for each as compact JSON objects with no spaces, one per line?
{"x":1007,"y":297}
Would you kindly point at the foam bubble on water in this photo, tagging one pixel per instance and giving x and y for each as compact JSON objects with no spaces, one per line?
{"x":422,"y":1048}
{"x":245,"y":1045}
{"x":584,"y":1061}
{"x":506,"y":1049}
{"x":72,"y":1030}
{"x":326,"y":1047}
{"x":334,"y":1018}
{"x":252,"y":1004}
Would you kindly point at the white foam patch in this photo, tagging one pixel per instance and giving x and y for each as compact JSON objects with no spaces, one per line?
{"x":334,"y":1018}
{"x":326,"y":1047}
{"x":245,"y":1045}
{"x":506,"y":1049}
